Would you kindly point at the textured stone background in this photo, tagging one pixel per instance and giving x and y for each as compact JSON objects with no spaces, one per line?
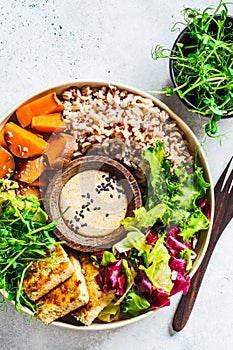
{"x":44,"y":43}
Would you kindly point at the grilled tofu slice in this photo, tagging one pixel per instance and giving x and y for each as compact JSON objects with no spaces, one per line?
{"x":67,"y":297}
{"x":46,"y":275}
{"x":97,"y":299}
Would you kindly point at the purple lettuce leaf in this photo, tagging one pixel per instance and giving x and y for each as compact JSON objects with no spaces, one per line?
{"x":110,"y":277}
{"x":175,"y":242}
{"x":157,"y":297}
{"x":181,"y":280}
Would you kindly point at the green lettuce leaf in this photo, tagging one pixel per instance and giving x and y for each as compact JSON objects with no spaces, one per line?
{"x":110,"y":313}
{"x":187,"y":255}
{"x":195,"y":222}
{"x":191,"y":186}
{"x":134,"y":303}
{"x":143,"y":219}
{"x":159,"y":271}
{"x":134,"y":239}
{"x":155,"y":157}
{"x":107,"y":258}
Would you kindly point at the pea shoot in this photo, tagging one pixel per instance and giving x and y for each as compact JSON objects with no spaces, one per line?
{"x":203,"y":68}
{"x":25,"y":237}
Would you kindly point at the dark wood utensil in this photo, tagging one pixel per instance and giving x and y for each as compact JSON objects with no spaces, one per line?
{"x":223,"y":192}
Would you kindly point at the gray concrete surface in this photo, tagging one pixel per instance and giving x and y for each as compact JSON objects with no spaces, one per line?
{"x":46,"y":42}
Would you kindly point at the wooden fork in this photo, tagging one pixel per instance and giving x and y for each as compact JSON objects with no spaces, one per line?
{"x":223,"y":192}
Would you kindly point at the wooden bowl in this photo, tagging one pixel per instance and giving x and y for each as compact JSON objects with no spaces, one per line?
{"x":91,"y":208}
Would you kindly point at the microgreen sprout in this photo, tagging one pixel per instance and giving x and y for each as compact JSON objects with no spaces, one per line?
{"x":203,"y":68}
{"x":25,"y":237}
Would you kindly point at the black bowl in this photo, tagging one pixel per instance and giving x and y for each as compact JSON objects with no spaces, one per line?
{"x":185,"y":38}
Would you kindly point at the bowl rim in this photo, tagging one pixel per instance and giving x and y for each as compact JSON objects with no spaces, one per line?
{"x":185,"y":100}
{"x":194,"y":144}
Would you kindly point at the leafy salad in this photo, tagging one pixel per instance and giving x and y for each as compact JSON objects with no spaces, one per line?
{"x":144,"y":269}
{"x":153,"y":261}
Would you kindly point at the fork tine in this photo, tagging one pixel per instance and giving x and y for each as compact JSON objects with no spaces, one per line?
{"x":228,"y":183}
{"x":220,"y":182}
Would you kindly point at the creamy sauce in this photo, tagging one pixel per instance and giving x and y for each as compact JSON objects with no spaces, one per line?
{"x":97,"y":203}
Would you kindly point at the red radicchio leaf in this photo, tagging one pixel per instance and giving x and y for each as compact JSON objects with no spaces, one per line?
{"x":151,"y":237}
{"x":175,"y":242}
{"x":157,"y":298}
{"x":144,"y":284}
{"x":109,"y":278}
{"x":114,"y":270}
{"x":182,"y":281}
{"x":205,"y":208}
{"x":121,"y":284}
{"x":99,"y":254}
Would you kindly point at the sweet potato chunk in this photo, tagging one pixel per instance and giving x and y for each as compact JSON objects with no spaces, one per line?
{"x":60,"y":150}
{"x":44,"y":105}
{"x":48,"y":123}
{"x":30,"y":170}
{"x":25,"y":190}
{"x":22,"y":143}
{"x":2,"y":139}
{"x":7,"y":163}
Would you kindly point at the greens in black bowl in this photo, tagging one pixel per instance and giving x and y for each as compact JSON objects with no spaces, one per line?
{"x":201,"y":64}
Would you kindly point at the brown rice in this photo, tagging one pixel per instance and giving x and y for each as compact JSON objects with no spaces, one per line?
{"x":121,"y":123}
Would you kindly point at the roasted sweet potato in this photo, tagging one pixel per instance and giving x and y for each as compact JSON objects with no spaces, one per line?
{"x":44,"y":105}
{"x":25,"y":190}
{"x":42,"y":181}
{"x":7,"y":163}
{"x":30,"y":170}
{"x":60,"y":150}
{"x":22,"y":143}
{"x":48,"y":123}
{"x":2,"y":139}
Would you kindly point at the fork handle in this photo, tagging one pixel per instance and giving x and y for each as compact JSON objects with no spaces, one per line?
{"x":187,"y":301}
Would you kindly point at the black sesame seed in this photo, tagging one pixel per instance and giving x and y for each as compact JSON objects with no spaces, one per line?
{"x":88,"y":195}
{"x":111,"y":196}
{"x":106,"y":215}
{"x":83,"y":195}
{"x":92,"y":200}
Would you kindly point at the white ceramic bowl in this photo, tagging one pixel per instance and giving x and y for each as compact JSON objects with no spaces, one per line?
{"x":193,"y":144}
